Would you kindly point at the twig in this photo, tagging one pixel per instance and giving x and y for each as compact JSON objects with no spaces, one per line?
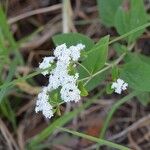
{"x":41,"y":39}
{"x":67,"y":17}
{"x":8,"y":137}
{"x":34,"y":12}
{"x":133,"y":143}
{"x":134,"y":126}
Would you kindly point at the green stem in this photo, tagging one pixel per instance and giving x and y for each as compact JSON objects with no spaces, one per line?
{"x":124,"y":35}
{"x":15,"y":81}
{"x":94,"y":139}
{"x":130,"y":32}
{"x":113,"y":110}
{"x":104,"y":69}
{"x":84,"y":68}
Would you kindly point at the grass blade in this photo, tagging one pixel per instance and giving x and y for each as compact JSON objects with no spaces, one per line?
{"x":97,"y":140}
{"x":9,"y":78}
{"x":4,"y":28}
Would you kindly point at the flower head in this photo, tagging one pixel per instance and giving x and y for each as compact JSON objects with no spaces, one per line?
{"x":59,"y":77}
{"x":75,"y":51}
{"x":43,"y":105}
{"x":47,"y":61}
{"x":119,"y":86}
{"x":70,"y":92}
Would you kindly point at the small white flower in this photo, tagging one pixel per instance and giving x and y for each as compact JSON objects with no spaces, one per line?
{"x":70,"y":92}
{"x":75,"y":51}
{"x":119,"y":86}
{"x":43,"y":105}
{"x":47,"y":61}
{"x":62,"y":53}
{"x":80,"y":46}
{"x":68,"y":79}
{"x":58,"y":50}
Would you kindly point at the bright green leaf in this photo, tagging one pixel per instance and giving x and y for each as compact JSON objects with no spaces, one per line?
{"x":97,"y":56}
{"x":127,"y":20}
{"x":138,"y":17}
{"x":107,"y":10}
{"x":95,"y":81}
{"x":137,"y":74}
{"x":73,"y":39}
{"x":109,"y":90}
{"x":144,"y":98}
{"x":82,"y":89}
{"x":144,"y":58}
{"x":122,"y":21}
{"x":95,"y":60}
{"x":120,"y":49}
{"x":115,"y":73}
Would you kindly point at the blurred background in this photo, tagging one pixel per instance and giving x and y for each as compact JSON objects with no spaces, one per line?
{"x":32,"y":24}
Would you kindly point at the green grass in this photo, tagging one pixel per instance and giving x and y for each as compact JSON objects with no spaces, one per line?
{"x":97,"y":140}
{"x":8,"y":46}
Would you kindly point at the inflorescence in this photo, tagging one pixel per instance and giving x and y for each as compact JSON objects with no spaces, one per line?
{"x":59,"y":77}
{"x":119,"y":86}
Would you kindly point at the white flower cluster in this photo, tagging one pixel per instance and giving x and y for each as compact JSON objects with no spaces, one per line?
{"x":119,"y":86}
{"x":43,"y":105}
{"x":47,"y":61}
{"x":59,"y":77}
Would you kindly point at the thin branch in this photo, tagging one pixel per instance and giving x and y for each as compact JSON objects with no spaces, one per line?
{"x":66,"y":16}
{"x":133,"y":127}
{"x":34,"y":12}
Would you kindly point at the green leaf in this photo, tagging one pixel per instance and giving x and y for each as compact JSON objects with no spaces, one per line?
{"x":97,"y":57}
{"x":144,"y":98}
{"x":144,"y":58}
{"x":54,"y":97}
{"x":73,"y":39}
{"x":127,"y":20}
{"x":95,"y":60}
{"x":95,"y":81}
{"x":115,"y":73}
{"x":138,"y":17}
{"x":120,"y":49}
{"x":129,"y":57}
{"x":107,"y":10}
{"x":122,"y":21}
{"x":137,"y":74}
{"x":82,"y":89}
{"x":109,"y":90}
